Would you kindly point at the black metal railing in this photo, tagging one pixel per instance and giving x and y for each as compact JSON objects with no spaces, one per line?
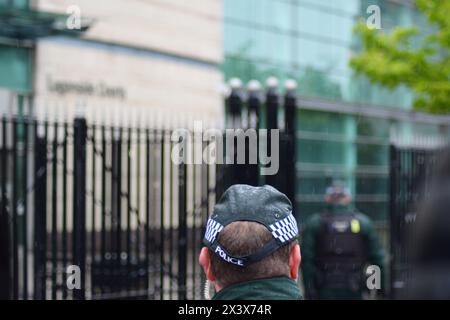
{"x":103,"y":212}
{"x":107,"y":200}
{"x":254,"y":109}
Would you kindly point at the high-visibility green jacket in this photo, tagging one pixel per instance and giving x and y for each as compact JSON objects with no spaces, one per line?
{"x":375,"y":254}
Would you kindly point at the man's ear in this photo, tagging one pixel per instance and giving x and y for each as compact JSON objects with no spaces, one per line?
{"x":205,"y":261}
{"x":295,"y":259}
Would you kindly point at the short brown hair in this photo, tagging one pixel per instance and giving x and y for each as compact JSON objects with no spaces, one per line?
{"x":242,"y":238}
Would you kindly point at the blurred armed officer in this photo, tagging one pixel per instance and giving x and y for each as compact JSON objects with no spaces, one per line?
{"x":337,"y":245}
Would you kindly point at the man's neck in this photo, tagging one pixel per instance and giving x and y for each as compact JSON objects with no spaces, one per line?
{"x":283,"y":288}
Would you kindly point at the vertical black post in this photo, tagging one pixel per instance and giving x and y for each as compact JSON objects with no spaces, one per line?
{"x":93,"y":201}
{"x":162,"y":233}
{"x":254,"y":106}
{"x":204,"y":215}
{"x":79,"y":212}
{"x":234,"y":107}
{"x":152,"y":211}
{"x":220,"y":180}
{"x":201,"y":216}
{"x":54,"y":210}
{"x":115,"y":192}
{"x":138,"y":203}
{"x":14,"y":213}
{"x":290,"y":112}
{"x":25,"y":209}
{"x":103,"y":214}
{"x":128,"y":217}
{"x":272,"y":104}
{"x":116,"y":207}
{"x":234,"y":104}
{"x":5,"y":251}
{"x":182,"y":225}
{"x":65,"y":209}
{"x":148,"y":166}
{"x":40,"y":213}
{"x":193,"y":228}
{"x":171,"y":226}
{"x":5,"y":268}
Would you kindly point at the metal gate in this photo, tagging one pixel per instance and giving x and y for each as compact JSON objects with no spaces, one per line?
{"x":253,"y":109}
{"x":105,"y":201}
{"x":105,"y":207}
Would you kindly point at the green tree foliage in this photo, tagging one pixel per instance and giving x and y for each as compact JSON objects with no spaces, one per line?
{"x":410,"y":57}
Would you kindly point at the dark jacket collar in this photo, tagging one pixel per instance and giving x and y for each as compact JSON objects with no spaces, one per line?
{"x":278,"y":288}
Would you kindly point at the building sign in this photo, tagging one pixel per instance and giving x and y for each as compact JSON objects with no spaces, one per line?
{"x":84,"y":88}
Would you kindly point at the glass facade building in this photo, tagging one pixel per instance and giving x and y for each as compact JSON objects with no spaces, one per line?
{"x":15,"y":61}
{"x":312,"y":41}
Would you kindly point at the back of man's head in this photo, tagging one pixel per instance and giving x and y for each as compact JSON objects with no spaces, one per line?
{"x":251,"y":234}
{"x":242,"y":238}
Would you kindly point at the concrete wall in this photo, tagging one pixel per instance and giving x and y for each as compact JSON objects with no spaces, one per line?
{"x":189,"y":28}
{"x":140,"y":59}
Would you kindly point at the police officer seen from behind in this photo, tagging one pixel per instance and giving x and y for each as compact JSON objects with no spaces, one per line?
{"x":337,"y":245}
{"x":251,"y":250}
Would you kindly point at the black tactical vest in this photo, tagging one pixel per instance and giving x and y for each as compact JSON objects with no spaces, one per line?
{"x":340,"y":252}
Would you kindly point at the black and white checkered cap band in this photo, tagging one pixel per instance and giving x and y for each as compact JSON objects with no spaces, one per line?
{"x":212,"y":229}
{"x":286,"y":229}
